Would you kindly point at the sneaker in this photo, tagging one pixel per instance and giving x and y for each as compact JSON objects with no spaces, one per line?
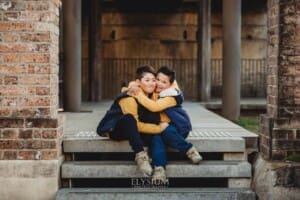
{"x":194,"y":155}
{"x":159,"y":176}
{"x":143,"y":163}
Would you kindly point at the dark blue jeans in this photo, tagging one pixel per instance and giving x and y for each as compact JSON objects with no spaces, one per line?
{"x":169,"y":137}
{"x":126,"y":129}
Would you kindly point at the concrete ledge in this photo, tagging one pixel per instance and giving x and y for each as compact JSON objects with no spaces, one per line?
{"x":29,"y":179}
{"x":123,"y":169}
{"x":156,"y":193}
{"x":90,"y":142}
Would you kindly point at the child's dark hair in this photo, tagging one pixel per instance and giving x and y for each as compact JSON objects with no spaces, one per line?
{"x":168,"y":72}
{"x":140,"y":71}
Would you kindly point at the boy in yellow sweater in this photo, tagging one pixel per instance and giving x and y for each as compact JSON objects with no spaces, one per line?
{"x":126,"y":120}
{"x":168,"y":99}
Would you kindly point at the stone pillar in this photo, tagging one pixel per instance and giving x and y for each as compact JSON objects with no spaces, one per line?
{"x":231,"y":59}
{"x":72,"y":54}
{"x":204,"y":51}
{"x":30,"y":128}
{"x":280,"y":126}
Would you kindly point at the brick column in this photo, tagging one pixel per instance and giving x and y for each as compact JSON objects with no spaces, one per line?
{"x":31,"y":129}
{"x":280,"y":126}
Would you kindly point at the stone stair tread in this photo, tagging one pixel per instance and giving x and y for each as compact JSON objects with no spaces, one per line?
{"x":206,"y":142}
{"x":176,"y":169}
{"x":156,"y":193}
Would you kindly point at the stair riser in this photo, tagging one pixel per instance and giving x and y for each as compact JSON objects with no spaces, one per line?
{"x":158,"y":195}
{"x":203,"y":145}
{"x":220,"y":169}
{"x":145,"y":182}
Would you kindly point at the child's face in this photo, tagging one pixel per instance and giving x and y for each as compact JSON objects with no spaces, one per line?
{"x":162,"y":82}
{"x":147,"y":83}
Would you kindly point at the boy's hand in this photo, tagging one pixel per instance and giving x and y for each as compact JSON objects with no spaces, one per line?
{"x":163,"y":126}
{"x":134,"y":90}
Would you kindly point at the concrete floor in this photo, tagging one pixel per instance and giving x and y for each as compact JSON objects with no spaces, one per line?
{"x":205,"y":123}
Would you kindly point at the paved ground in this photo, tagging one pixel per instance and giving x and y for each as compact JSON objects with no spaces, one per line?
{"x":246,"y":104}
{"x":205,"y":123}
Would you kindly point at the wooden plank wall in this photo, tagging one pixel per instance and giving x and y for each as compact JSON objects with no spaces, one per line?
{"x":163,"y":39}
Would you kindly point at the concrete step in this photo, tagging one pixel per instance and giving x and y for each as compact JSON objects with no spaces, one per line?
{"x":206,"y":142}
{"x":127,"y":169}
{"x":155,"y":193}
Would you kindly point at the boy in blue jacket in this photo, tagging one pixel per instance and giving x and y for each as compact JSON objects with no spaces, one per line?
{"x":167,"y":101}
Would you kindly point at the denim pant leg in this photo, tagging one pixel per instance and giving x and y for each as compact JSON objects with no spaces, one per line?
{"x":158,"y":151}
{"x":126,"y":129}
{"x":174,"y":139}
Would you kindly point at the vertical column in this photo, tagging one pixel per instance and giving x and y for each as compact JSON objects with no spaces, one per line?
{"x":280,"y":126}
{"x":95,"y":44}
{"x":72,"y":54}
{"x":204,"y":51}
{"x":231,"y":59}
{"x":31,"y":129}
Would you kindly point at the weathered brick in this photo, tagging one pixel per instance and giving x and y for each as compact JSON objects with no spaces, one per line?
{"x":35,"y":58}
{"x":49,"y":144}
{"x":298,"y":134}
{"x":35,"y":101}
{"x":42,"y":48}
{"x":25,"y":134}
{"x":39,"y":16}
{"x":14,"y":5}
{"x":26,"y":155}
{"x":49,"y":134}
{"x":49,"y":155}
{"x":13,"y":69}
{"x":35,"y":37}
{"x":25,"y":112}
{"x":11,"y":16}
{"x":285,"y":144}
{"x":265,"y":141}
{"x":12,"y":90}
{"x":279,"y":154}
{"x":281,"y":134}
{"x":38,"y":6}
{"x":9,"y":134}
{"x":35,"y":80}
{"x":265,"y":151}
{"x":31,"y":144}
{"x":16,"y":26}
{"x":11,"y":123}
{"x":37,"y":133}
{"x":1,"y":79}
{"x":11,"y":58}
{"x":10,"y":37}
{"x":9,"y":101}
{"x":43,"y":90}
{"x":41,"y":123}
{"x":43,"y":69}
{"x":9,"y":155}
{"x":10,"y":80}
{"x":5,"y":112}
{"x":10,"y":144}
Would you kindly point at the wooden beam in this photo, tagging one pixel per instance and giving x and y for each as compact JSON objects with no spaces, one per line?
{"x":204,"y":51}
{"x":95,"y":45}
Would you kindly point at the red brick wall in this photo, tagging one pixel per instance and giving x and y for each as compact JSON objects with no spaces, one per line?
{"x":280,"y":127}
{"x":29,"y":121}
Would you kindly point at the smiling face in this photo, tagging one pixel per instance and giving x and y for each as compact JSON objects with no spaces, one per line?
{"x":147,"y":83}
{"x":162,"y":82}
